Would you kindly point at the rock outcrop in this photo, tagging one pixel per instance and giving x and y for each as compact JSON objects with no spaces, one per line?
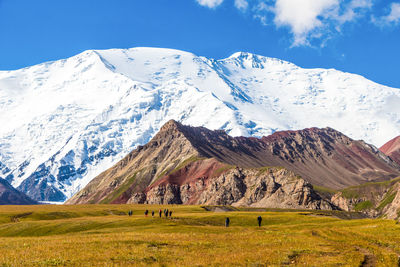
{"x":392,"y":209}
{"x":272,"y":187}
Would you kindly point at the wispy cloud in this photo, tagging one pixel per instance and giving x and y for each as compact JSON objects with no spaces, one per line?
{"x":241,"y":4}
{"x":210,"y":3}
{"x":393,"y":17}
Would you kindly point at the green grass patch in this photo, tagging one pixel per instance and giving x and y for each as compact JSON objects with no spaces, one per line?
{"x":350,"y":193}
{"x":222,"y":169}
{"x":364,"y":205}
{"x":265,"y":169}
{"x":383,"y":183}
{"x":186,"y":162}
{"x":353,"y":189}
{"x":324,"y":190}
{"x":387,"y":200}
{"x":120,"y":190}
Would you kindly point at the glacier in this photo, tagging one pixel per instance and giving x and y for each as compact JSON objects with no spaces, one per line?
{"x":66,"y":121}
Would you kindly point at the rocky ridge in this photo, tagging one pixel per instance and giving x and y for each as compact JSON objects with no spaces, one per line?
{"x":194,"y":165}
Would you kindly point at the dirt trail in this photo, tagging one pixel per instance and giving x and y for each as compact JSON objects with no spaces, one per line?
{"x":369,"y":258}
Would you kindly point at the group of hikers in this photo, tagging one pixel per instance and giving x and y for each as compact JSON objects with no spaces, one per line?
{"x":169,"y":213}
{"x":146,"y":213}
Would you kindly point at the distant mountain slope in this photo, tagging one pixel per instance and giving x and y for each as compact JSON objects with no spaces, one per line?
{"x":392,"y":149}
{"x":11,"y":196}
{"x":65,"y":122}
{"x":190,"y":165}
{"x":376,"y":199}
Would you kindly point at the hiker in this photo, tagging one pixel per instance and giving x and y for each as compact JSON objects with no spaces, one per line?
{"x":152,"y":213}
{"x":166,"y":213}
{"x":259,"y":219}
{"x":130,"y":213}
{"x":159,"y":212}
{"x":227,"y":222}
{"x":170,"y":213}
{"x":146,"y":212}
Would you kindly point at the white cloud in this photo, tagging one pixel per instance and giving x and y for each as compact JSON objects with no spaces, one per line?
{"x":302,"y":16}
{"x":241,"y":4}
{"x":262,"y":19}
{"x":392,"y":18}
{"x":210,"y":3}
{"x":353,"y":10}
{"x":311,"y":22}
{"x":311,"y":19}
{"x":394,"y":15}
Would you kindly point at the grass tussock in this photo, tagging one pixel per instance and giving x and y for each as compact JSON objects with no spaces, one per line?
{"x":104,"y":235}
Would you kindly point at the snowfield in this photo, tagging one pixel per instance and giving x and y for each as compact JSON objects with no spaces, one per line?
{"x":66,"y":121}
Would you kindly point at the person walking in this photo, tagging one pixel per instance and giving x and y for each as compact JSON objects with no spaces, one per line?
{"x":227,"y":221}
{"x":146,"y":213}
{"x":170,"y":213}
{"x":160,"y":213}
{"x":152,"y":213}
{"x":259,"y":219}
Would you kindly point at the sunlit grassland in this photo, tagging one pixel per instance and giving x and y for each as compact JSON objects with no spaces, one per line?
{"x":104,"y":235}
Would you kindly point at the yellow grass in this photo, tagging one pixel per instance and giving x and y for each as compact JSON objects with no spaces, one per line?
{"x":88,"y":235}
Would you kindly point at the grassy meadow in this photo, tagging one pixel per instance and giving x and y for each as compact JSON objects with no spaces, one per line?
{"x":87,"y":235}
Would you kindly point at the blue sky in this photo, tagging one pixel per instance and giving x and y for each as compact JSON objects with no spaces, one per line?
{"x":358,"y":36}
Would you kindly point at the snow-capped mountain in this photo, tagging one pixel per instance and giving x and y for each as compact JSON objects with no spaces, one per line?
{"x":64,"y":122}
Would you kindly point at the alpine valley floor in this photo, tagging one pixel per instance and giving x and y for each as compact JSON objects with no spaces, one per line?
{"x":88,"y":235}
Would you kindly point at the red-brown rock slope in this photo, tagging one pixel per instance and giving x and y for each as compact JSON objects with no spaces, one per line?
{"x":392,"y":149}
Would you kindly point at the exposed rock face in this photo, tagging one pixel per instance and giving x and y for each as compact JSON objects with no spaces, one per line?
{"x":37,"y":188}
{"x":11,"y":196}
{"x":392,"y":149}
{"x":275,"y":188}
{"x":194,"y":165}
{"x":392,"y":210}
{"x":343,"y":203}
{"x":351,"y":204}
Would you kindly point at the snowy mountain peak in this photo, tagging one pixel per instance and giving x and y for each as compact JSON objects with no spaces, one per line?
{"x":258,"y":61}
{"x":64,"y":122}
